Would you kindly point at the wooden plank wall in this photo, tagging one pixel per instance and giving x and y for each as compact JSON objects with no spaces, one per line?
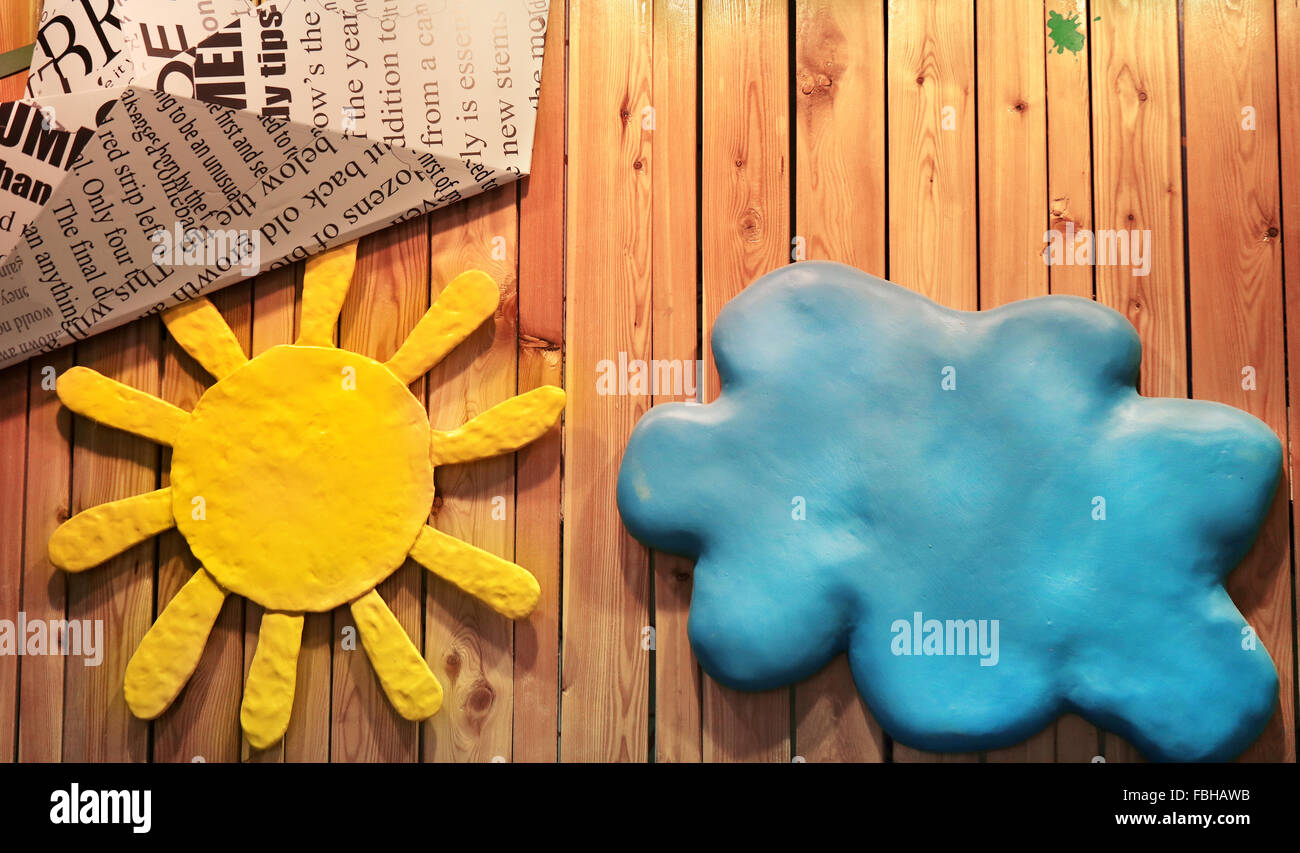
{"x":607,"y":636}
{"x":685,"y":147}
{"x":675,"y":333}
{"x":1287,"y":40}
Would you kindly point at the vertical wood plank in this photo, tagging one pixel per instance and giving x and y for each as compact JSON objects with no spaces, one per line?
{"x":1069,"y":143}
{"x":1137,"y":185}
{"x":108,"y":465}
{"x":746,"y":233}
{"x":13,"y":477}
{"x":18,"y":23}
{"x":470,"y":646}
{"x":932,"y":170}
{"x":308,"y":737}
{"x":203,"y":722}
{"x":1069,"y":191}
{"x":389,"y":295}
{"x":541,"y":362}
{"x":1235,"y":295}
{"x":1011,"y":126}
{"x":840,"y":125}
{"x":49,"y":480}
{"x":605,"y":669}
{"x":678,"y":732}
{"x":840,"y":216}
{"x":932,"y":206}
{"x":1288,"y":83}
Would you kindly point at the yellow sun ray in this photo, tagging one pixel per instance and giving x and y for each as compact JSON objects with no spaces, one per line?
{"x":508,"y":589}
{"x":504,"y":428}
{"x":325,"y":283}
{"x":202,"y":332}
{"x":272,"y":677}
{"x":92,"y":536}
{"x":402,"y":671}
{"x":468,"y":300}
{"x":110,"y":402}
{"x":169,"y":652}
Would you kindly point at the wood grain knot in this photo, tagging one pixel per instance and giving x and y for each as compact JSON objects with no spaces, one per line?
{"x":751,"y":226}
{"x":534,"y":342}
{"x":815,"y":84}
{"x":480,"y":698}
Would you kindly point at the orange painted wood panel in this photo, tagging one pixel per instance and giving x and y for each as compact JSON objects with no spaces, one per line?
{"x":1288,"y":88}
{"x":18,"y":23}
{"x":108,"y":465}
{"x":932,"y":168}
{"x":840,"y":216}
{"x":44,"y":588}
{"x":678,"y":730}
{"x":1012,"y":145}
{"x":13,"y":475}
{"x":1069,"y":140}
{"x":605,"y":652}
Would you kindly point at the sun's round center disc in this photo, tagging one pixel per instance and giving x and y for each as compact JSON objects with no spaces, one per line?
{"x":302,"y":478}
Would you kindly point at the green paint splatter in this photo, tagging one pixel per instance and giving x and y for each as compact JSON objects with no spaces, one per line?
{"x":1064,"y":32}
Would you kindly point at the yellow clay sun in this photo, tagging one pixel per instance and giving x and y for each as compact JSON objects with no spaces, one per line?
{"x":301,"y":480}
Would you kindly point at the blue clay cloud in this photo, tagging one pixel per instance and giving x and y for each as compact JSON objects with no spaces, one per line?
{"x":879,"y":469}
